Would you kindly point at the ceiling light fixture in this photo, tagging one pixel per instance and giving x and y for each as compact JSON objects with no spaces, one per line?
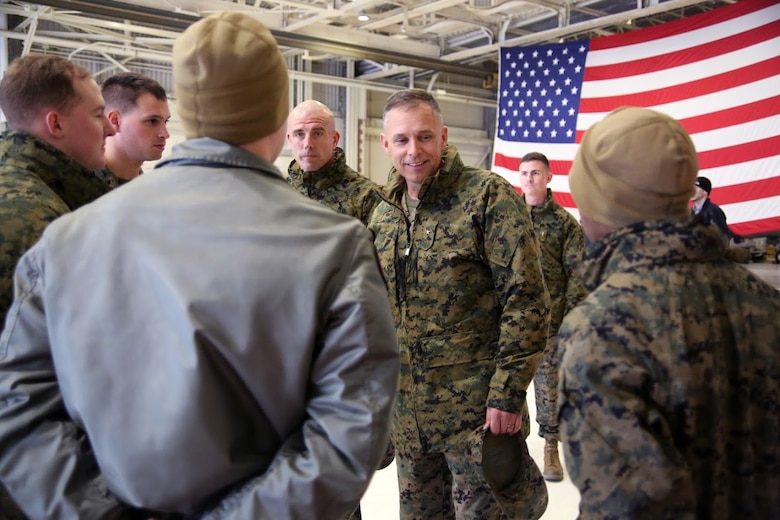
{"x":363,"y":17}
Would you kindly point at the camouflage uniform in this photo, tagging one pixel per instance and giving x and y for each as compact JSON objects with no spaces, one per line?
{"x":670,"y":380}
{"x":471,"y":314}
{"x":561,"y":243}
{"x":342,"y":189}
{"x":38,"y":183}
{"x":337,"y":186}
{"x":107,"y":176}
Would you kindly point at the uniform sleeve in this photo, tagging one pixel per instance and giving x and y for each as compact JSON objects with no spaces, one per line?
{"x":616,"y":440}
{"x":573,"y":248}
{"x":513,"y":255}
{"x":325,"y":468}
{"x":45,"y":461}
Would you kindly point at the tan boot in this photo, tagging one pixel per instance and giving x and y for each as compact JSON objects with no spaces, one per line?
{"x":553,"y":471}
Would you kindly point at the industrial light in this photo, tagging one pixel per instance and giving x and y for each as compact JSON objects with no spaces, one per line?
{"x":363,"y":17}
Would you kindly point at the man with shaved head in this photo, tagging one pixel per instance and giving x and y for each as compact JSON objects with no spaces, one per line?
{"x":319,"y":169}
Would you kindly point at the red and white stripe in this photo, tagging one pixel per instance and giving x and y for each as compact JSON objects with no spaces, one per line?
{"x":718,"y":73}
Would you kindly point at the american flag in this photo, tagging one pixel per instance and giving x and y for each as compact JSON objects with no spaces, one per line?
{"x":717,"y":72}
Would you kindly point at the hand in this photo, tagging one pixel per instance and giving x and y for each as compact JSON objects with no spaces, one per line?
{"x":499,"y":421}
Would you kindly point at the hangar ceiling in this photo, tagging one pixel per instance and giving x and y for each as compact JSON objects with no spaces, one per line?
{"x":440,"y":44}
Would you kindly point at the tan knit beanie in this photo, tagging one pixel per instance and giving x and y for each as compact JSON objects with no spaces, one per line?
{"x":230,"y":79}
{"x":635,"y":164}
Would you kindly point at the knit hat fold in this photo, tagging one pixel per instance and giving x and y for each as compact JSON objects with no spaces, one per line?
{"x":635,"y":164}
{"x":704,"y":183}
{"x":230,"y":79}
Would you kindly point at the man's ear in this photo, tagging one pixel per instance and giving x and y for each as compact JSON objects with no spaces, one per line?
{"x":54,"y":124}
{"x":113,"y":116}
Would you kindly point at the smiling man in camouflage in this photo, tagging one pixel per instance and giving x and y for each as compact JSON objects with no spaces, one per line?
{"x":470,"y":307}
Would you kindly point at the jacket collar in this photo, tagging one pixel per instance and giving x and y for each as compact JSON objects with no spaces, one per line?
{"x":644,"y":244}
{"x":207,"y":151}
{"x":22,"y":153}
{"x":322,"y":179}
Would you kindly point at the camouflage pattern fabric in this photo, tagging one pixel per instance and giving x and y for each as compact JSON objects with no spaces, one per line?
{"x":670,"y":380}
{"x":111,"y":180}
{"x":443,"y":486}
{"x":469,"y":302}
{"x":38,"y":183}
{"x":337,"y":186}
{"x":562,"y":244}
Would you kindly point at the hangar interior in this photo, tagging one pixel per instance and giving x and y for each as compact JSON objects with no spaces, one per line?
{"x":348,"y":54}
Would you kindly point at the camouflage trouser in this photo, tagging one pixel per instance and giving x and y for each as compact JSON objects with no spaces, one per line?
{"x":443,"y":486}
{"x":546,"y":390}
{"x":8,"y":508}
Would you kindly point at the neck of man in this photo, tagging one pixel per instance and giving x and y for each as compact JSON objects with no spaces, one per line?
{"x":122,"y":166}
{"x":413,"y":190}
{"x":535,"y":200}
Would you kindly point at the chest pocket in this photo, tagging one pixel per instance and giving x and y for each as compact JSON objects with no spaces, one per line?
{"x":426,"y":234}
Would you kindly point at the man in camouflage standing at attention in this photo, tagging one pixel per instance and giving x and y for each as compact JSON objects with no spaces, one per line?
{"x":319,"y":169}
{"x":470,"y":306}
{"x":55,"y":139}
{"x":670,"y":375}
{"x":561,"y":243}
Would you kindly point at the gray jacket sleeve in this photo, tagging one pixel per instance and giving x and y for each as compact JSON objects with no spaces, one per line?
{"x":45,"y":461}
{"x":324,"y":469}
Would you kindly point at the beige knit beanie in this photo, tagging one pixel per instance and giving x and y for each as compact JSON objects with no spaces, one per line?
{"x":230,"y":79}
{"x":635,"y":164}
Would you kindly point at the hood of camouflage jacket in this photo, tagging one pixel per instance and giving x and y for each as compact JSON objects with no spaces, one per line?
{"x":653,"y":242}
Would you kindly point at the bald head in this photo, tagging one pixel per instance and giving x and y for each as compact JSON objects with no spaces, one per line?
{"x":311,"y":132}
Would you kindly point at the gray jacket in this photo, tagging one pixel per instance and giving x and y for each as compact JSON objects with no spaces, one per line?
{"x":218,"y":344}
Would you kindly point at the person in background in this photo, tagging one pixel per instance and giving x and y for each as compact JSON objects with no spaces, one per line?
{"x":319,"y":169}
{"x":710,"y":212}
{"x":561,"y":243}
{"x":670,"y":375}
{"x":55,"y":138}
{"x":230,"y":354}
{"x":137,"y":106}
{"x":470,"y":307}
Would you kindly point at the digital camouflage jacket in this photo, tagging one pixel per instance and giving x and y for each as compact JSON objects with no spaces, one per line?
{"x":668,"y":397}
{"x":108,"y":177}
{"x":337,"y":186}
{"x":468,"y":298}
{"x":561,"y":243}
{"x":38,"y":183}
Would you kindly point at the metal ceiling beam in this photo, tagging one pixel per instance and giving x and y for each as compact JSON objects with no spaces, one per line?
{"x":179,"y":21}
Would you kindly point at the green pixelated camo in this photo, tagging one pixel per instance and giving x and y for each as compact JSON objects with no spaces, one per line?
{"x":670,"y":380}
{"x":108,"y":177}
{"x":469,"y":302}
{"x":562,"y":244}
{"x":38,"y":183}
{"x":337,"y":186}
